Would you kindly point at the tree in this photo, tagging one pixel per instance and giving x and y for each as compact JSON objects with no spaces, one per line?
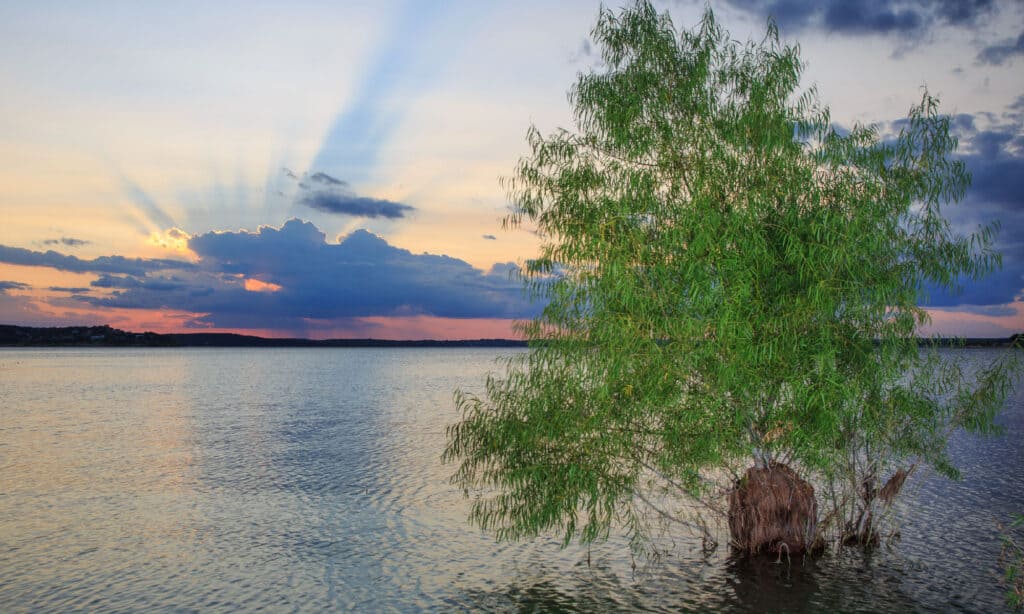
{"x":1012,"y":558}
{"x":731,"y":283}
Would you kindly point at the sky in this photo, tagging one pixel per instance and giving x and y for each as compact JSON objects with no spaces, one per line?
{"x":333,"y":169}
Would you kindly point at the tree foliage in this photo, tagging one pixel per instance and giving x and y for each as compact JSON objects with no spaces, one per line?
{"x":729,"y":280}
{"x":1012,"y":558}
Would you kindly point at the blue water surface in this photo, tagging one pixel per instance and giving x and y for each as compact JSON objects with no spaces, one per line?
{"x":310,"y":480}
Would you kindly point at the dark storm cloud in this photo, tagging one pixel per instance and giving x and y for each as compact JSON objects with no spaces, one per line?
{"x":333,"y":201}
{"x":158,"y":284}
{"x":990,"y":143}
{"x":908,"y":18}
{"x":992,"y":148}
{"x":998,"y":180}
{"x":962,"y":12}
{"x":73,"y":264}
{"x":315,"y":280}
{"x":329,"y":194}
{"x":68,"y":290}
{"x":999,"y":288}
{"x":326,"y":179}
{"x":857,"y":18}
{"x":962,"y":123}
{"x":13,"y":285}
{"x":66,"y":241}
{"x":1001,"y":52}
{"x":995,"y":159}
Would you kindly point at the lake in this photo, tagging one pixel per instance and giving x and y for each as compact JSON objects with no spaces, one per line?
{"x":310,"y":480}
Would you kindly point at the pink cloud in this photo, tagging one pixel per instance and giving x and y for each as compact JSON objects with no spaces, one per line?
{"x":997,"y":323}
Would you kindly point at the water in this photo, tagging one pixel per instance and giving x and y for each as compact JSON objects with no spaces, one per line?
{"x":309,"y":480}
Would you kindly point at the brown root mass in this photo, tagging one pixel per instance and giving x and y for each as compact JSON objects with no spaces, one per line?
{"x":893,"y":487}
{"x":771,"y":509}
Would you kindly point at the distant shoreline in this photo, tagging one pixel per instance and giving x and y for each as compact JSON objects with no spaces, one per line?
{"x":105,"y":336}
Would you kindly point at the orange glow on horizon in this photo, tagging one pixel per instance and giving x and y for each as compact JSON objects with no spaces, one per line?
{"x":411,"y":328}
{"x":37,"y":311}
{"x":48,"y":300}
{"x":966,"y":324}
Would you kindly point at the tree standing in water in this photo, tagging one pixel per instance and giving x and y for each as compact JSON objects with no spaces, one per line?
{"x":732,"y":292}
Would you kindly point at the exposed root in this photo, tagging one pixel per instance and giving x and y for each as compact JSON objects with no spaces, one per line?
{"x":772,"y":509}
{"x":892,"y":487}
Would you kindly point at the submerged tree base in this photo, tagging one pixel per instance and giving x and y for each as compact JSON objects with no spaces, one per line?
{"x":772,"y":510}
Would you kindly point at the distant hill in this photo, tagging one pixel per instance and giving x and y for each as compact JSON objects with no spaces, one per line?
{"x":105,"y":336}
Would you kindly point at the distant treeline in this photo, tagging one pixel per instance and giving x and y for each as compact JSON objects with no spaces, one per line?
{"x":105,"y":336}
{"x":976,"y":342}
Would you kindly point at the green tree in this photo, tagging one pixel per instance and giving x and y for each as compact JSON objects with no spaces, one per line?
{"x":1012,"y":558}
{"x":729,"y":282}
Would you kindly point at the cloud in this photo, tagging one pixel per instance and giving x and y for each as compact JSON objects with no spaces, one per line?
{"x":995,"y":158}
{"x":325,"y":179}
{"x":968,"y":321}
{"x":350,"y":204}
{"x":73,"y":264}
{"x":66,"y":241}
{"x":962,"y":123}
{"x":490,"y":237}
{"x":329,"y":194}
{"x":903,"y":17}
{"x":159,"y":284}
{"x":1000,"y":288}
{"x":21,"y":311}
{"x":313,"y":280}
{"x":13,"y":285}
{"x":962,"y":12}
{"x":24,"y":310}
{"x":992,"y":148}
{"x":172,"y":238}
{"x":996,"y":311}
{"x":1001,"y":52}
{"x":857,"y":18}
{"x":998,"y":180}
{"x":68,"y":290}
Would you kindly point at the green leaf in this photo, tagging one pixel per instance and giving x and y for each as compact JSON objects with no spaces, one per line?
{"x":727,"y":280}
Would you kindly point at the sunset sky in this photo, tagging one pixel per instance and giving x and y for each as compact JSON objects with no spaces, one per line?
{"x":331,"y":169}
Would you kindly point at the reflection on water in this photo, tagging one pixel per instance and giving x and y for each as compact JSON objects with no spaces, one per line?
{"x":309,"y":479}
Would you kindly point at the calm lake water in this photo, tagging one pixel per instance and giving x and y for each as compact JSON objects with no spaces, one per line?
{"x":310,"y":480}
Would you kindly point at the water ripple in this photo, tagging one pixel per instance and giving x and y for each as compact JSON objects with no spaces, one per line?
{"x":309,"y":480}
